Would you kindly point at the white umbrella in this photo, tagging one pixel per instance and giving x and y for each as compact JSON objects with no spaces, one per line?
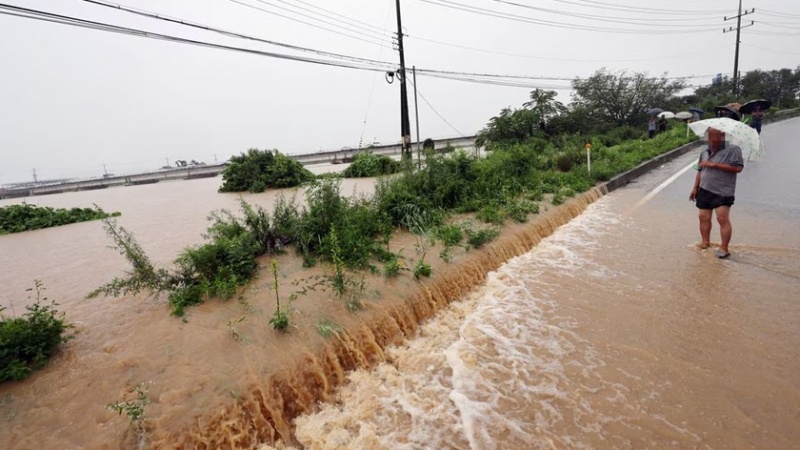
{"x":737,"y":133}
{"x":684,"y":115}
{"x":667,"y":115}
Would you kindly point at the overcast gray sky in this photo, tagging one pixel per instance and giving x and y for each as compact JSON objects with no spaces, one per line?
{"x":72,"y":99}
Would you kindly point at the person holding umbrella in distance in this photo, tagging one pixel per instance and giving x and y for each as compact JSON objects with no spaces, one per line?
{"x":714,"y":187}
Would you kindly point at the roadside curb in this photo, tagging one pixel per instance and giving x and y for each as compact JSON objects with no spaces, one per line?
{"x":626,"y":177}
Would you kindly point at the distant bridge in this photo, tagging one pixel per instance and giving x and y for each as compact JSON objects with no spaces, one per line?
{"x":466,"y":143}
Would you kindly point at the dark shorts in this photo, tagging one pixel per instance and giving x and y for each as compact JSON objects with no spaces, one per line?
{"x":709,"y":200}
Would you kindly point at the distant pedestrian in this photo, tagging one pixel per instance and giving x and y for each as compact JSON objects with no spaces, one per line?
{"x":757,"y":116}
{"x":715,"y":186}
{"x":662,"y":124}
{"x":651,"y":127}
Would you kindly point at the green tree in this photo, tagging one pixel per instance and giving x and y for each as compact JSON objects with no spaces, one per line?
{"x":544,"y":104}
{"x":612,"y":99}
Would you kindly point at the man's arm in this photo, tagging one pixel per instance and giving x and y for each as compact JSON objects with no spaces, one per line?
{"x":720,"y":166}
{"x":693,"y":194}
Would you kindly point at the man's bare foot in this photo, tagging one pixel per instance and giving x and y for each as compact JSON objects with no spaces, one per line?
{"x":704,"y":245}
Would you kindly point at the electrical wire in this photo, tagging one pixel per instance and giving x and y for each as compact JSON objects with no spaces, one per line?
{"x":570,"y":26}
{"x":776,"y":25}
{"x":233,"y":34}
{"x":528,"y":77}
{"x":545,"y":58}
{"x":435,"y":111}
{"x":82,"y":23}
{"x":784,"y":15}
{"x":356,"y":29}
{"x":769,"y":49}
{"x":485,"y":78}
{"x":611,"y":19}
{"x":636,"y":9}
{"x":382,"y":30}
{"x":369,"y":41}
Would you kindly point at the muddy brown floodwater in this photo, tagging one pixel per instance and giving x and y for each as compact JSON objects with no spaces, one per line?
{"x":613,"y":332}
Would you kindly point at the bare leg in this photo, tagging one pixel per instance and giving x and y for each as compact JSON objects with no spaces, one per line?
{"x":725,"y":227}
{"x":705,"y":227}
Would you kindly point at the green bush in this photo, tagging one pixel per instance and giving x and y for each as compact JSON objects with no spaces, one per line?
{"x":393,"y":267}
{"x":28,"y":342}
{"x":478,"y":238}
{"x":491,"y":214}
{"x":371,"y":165}
{"x":450,"y":235}
{"x":422,"y":269}
{"x":259,"y":170}
{"x":24,"y":217}
{"x":519,"y":209}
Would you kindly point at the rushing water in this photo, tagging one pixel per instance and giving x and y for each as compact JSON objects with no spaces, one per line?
{"x":615,"y":332}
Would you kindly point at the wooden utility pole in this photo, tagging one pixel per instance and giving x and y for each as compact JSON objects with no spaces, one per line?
{"x":739,"y":27}
{"x":405,"y":126}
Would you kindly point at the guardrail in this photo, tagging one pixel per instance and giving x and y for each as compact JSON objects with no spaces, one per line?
{"x":187,"y":173}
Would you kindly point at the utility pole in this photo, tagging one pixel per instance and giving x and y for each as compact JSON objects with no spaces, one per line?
{"x":416,"y":113}
{"x":405,"y":126}
{"x":105,"y":171}
{"x":739,"y":27}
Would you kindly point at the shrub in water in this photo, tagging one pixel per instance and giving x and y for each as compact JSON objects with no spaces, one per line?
{"x":27,"y":342}
{"x":258,"y":170}
{"x":371,"y":165}
{"x":23,"y":217}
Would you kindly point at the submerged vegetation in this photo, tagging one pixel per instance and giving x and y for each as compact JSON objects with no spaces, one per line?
{"x":27,"y":342}
{"x":371,"y":165}
{"x":349,"y":235}
{"x":259,"y":170}
{"x":24,"y":217}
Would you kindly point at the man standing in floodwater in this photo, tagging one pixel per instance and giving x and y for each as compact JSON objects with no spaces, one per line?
{"x":714,"y":188}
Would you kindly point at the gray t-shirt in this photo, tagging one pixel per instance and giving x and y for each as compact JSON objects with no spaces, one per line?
{"x":718,"y":181}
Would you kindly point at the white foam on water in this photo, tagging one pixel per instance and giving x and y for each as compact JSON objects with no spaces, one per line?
{"x":499,"y":370}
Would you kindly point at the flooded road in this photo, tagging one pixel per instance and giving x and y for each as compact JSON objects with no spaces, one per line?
{"x":615,"y":332}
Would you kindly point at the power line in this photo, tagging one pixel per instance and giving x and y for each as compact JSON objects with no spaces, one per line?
{"x":611,"y":19}
{"x":769,"y":49}
{"x":564,"y":25}
{"x":356,"y":28}
{"x":231,"y":33}
{"x":82,"y":23}
{"x":369,"y":40}
{"x":776,"y":25}
{"x":545,"y":58}
{"x":382,"y":30}
{"x":784,"y":15}
{"x":484,"y":78}
{"x":635,"y":9}
{"x":436,"y":112}
{"x":528,"y":77}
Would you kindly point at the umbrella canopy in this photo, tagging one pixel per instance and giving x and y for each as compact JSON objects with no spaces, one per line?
{"x":750,"y":106}
{"x":666,"y":115}
{"x":726,"y":111}
{"x":654,"y":111}
{"x":696,"y":111}
{"x":684,"y":115}
{"x":736,"y":133}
